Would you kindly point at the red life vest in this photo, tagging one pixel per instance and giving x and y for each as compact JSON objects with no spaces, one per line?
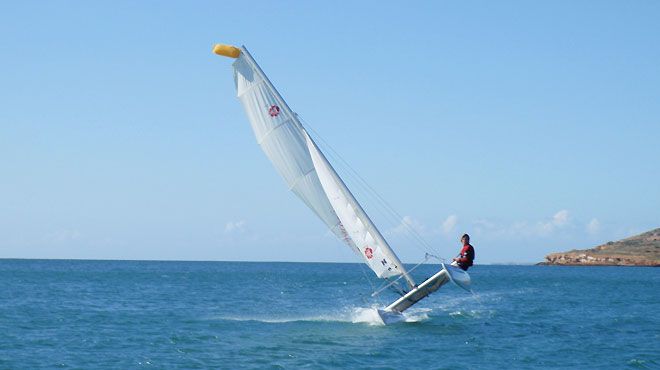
{"x":467,"y":255}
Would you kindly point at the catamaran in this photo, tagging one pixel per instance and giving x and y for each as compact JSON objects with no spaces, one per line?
{"x":309,"y":175}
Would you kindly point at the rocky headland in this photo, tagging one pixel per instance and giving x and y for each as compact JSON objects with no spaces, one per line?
{"x":638,"y":250}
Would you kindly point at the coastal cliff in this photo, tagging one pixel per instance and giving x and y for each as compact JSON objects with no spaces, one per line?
{"x":638,"y":250}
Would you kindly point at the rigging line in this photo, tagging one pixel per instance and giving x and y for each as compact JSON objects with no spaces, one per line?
{"x":352,"y":172}
{"x":373,"y":191}
{"x":391,"y":219}
{"x":429,"y":255}
{"x":364,"y":274}
{"x":390,"y":212}
{"x":381,"y":208}
{"x":383,"y":286}
{"x":384,"y":209}
{"x":380,"y":198}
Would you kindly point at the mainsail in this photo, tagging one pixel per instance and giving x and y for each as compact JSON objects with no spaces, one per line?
{"x":305,"y":169}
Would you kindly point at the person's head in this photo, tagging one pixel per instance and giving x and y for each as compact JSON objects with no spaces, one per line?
{"x":465,"y":239}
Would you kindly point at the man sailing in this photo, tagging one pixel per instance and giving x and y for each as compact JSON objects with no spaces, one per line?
{"x":464,"y":260}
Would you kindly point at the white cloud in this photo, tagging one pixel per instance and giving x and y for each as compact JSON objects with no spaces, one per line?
{"x":235,"y":227}
{"x":556,"y":224}
{"x":593,"y":226}
{"x":559,"y":220}
{"x":483,"y":226}
{"x":449,"y":224}
{"x":406,"y":225}
{"x":63,"y":235}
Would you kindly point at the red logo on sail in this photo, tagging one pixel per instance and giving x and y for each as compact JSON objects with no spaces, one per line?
{"x":274,"y":110}
{"x":369,"y":253}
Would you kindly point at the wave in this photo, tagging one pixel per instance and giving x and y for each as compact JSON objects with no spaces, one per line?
{"x":355,"y":315}
{"x":370,"y":316}
{"x":475,"y":306}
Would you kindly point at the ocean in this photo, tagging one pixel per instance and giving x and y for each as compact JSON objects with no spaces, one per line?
{"x":234,"y":315}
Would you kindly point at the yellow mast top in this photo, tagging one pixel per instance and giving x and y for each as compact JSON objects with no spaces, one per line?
{"x":227,"y":50}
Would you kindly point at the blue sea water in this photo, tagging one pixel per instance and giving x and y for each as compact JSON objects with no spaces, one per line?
{"x":231,"y":315}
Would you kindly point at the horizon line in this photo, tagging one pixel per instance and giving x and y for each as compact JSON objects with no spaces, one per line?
{"x":511,"y":263}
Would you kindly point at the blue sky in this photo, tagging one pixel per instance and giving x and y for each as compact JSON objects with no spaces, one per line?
{"x":533,"y":126}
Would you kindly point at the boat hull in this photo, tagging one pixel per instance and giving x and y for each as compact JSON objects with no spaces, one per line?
{"x":390,"y":317}
{"x":458,"y":277}
{"x":393,"y":313}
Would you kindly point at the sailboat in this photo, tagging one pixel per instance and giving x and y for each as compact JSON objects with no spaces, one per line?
{"x":309,"y":174}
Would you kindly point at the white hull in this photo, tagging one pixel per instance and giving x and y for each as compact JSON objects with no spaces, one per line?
{"x":459,"y":277}
{"x":393,"y":313}
{"x":390,"y":317}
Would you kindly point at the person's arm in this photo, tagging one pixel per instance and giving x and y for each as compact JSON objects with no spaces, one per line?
{"x":462,"y":258}
{"x":469,"y":254}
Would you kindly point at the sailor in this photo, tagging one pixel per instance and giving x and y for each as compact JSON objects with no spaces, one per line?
{"x":464,"y":260}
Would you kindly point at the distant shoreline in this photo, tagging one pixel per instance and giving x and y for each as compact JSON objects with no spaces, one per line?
{"x":641,"y":250}
{"x":589,"y":265}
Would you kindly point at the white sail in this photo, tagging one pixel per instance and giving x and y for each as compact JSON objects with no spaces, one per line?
{"x":377,"y":253}
{"x":306,"y":171}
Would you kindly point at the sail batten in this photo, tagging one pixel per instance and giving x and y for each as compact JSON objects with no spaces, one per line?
{"x":273,"y":129}
{"x":306,"y":171}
